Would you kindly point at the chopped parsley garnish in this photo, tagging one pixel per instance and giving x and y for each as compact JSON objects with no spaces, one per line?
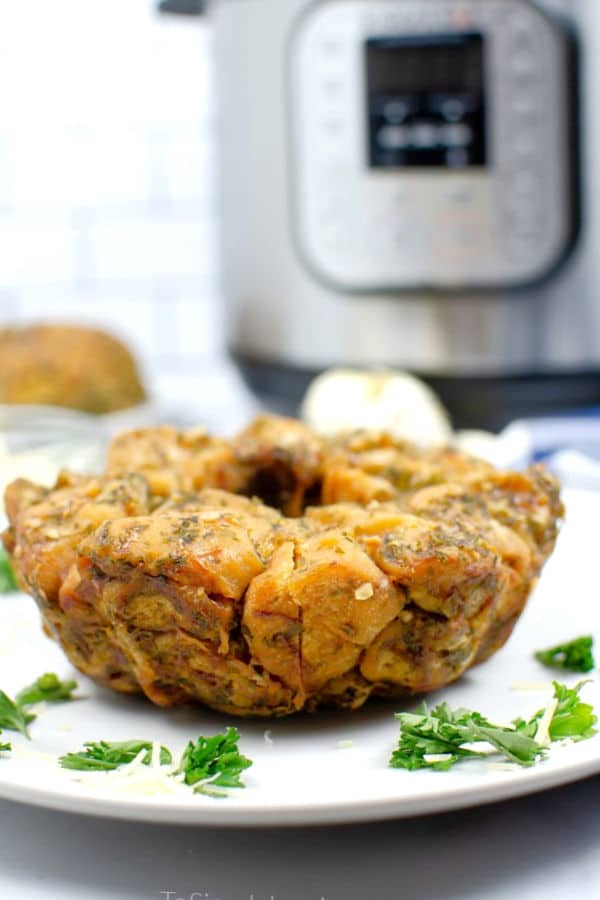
{"x":13,"y":713}
{"x":576,"y":655}
{"x":105,"y":757}
{"x":436,"y":739}
{"x":573,"y":718}
{"x":208,"y":765}
{"x":47,"y":688}
{"x":439,"y":738}
{"x":8,"y":582}
{"x":214,"y":762}
{"x":14,"y":717}
{"x":4,"y":748}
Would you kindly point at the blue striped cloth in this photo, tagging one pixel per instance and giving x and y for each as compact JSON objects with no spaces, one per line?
{"x":569,"y":445}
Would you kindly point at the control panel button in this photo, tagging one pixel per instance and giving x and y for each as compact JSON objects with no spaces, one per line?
{"x":523,"y":103}
{"x":397,"y":109}
{"x":523,"y":62}
{"x":454,"y":109}
{"x":456,"y":158}
{"x":456,"y":135}
{"x":427,"y":142}
{"x":330,"y":47}
{"x":525,"y":184}
{"x":460,"y":195}
{"x":460,"y":235}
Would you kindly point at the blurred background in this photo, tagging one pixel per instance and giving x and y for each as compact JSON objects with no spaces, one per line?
{"x":107,"y":185}
{"x":247,"y":193}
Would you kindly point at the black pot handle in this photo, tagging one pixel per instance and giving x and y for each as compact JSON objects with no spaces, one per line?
{"x":183,"y":7}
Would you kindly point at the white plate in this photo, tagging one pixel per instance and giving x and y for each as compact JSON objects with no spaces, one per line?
{"x":303,"y":776}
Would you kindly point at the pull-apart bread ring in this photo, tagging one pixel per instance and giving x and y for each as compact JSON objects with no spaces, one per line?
{"x":280,"y":571}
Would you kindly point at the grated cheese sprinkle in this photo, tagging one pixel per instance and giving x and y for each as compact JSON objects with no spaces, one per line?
{"x":155,"y":757}
{"x":530,"y":687}
{"x":137,"y":778}
{"x":437,"y":757}
{"x":542,"y":735}
{"x":364,"y":592}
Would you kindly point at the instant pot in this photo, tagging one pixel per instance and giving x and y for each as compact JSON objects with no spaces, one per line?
{"x":411,"y":184}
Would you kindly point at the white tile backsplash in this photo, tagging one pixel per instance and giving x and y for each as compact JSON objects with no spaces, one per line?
{"x":189,"y":169}
{"x":35,"y":253}
{"x":155,"y":320}
{"x":100,"y":63}
{"x":123,"y":249}
{"x":107,"y":184}
{"x":110,"y":174}
{"x":199,"y":326}
{"x":39,"y":176}
{"x":136,"y":323}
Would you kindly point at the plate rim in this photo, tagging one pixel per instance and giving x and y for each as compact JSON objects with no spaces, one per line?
{"x":215,"y":814}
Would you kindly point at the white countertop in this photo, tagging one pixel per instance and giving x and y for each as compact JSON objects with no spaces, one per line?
{"x":543,"y":847}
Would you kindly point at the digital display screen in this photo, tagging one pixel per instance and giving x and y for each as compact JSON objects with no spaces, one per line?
{"x":426,"y":101}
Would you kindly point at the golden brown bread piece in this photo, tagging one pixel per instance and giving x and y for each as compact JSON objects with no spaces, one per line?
{"x":175,"y":461}
{"x":159,"y":580}
{"x":61,"y":365}
{"x":277,"y":459}
{"x":45,"y":553}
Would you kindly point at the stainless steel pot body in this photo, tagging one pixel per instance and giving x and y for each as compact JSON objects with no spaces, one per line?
{"x":450,"y":304}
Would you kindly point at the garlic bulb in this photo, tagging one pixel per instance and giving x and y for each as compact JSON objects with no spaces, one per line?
{"x":346,"y":399}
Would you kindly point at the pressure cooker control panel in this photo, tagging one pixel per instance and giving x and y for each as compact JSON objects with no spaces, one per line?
{"x":432,"y":143}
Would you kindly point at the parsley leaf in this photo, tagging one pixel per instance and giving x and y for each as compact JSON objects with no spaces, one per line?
{"x":48,"y":688}
{"x":436,"y":739}
{"x":440,"y":738}
{"x":576,"y":655}
{"x":12,"y":716}
{"x":8,"y":582}
{"x":573,"y":718}
{"x":4,"y":748}
{"x":214,"y":761}
{"x":207,"y":765}
{"x":105,"y":756}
